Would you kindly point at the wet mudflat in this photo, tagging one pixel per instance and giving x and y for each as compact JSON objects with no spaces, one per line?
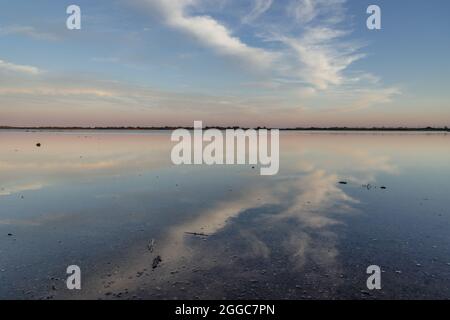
{"x":141,"y":228}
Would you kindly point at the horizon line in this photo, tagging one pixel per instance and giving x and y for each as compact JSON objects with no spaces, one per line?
{"x":312,"y":128}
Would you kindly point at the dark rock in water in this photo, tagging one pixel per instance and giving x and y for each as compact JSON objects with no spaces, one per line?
{"x":343,"y":182}
{"x":156,"y":262}
{"x":38,"y":144}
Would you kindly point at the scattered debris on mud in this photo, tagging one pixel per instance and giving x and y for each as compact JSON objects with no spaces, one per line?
{"x":156,"y":262}
{"x":367,"y":186}
{"x":151,"y":245}
{"x":197,"y":234}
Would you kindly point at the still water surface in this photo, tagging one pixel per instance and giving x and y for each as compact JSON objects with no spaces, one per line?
{"x":112,"y":202}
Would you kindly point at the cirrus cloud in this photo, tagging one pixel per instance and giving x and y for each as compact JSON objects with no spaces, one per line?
{"x":209,"y":32}
{"x":18,"y":68}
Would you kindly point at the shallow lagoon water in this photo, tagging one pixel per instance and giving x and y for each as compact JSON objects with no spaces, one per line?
{"x":97,"y":200}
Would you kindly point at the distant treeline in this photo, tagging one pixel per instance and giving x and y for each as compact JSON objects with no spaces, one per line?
{"x":432,"y":129}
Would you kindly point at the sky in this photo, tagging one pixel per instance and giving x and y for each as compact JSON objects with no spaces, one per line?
{"x":275,"y":63}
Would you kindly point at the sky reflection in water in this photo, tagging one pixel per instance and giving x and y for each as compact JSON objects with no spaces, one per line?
{"x":97,"y":199}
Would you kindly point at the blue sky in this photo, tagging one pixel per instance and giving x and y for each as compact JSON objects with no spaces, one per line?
{"x":225,"y":62}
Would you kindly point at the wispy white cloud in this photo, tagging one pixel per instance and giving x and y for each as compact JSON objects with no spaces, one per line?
{"x":19,"y":188}
{"x":316,"y":52}
{"x":28,"y":31}
{"x":305,"y":11}
{"x":18,"y":68}
{"x":371,"y":97}
{"x":322,"y":52}
{"x":209,"y":32}
{"x":259,"y":8}
{"x":322,"y":58}
{"x":306,"y":59}
{"x":54,"y":91}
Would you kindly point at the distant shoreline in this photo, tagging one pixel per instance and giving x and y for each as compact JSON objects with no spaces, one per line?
{"x":383,"y":129}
